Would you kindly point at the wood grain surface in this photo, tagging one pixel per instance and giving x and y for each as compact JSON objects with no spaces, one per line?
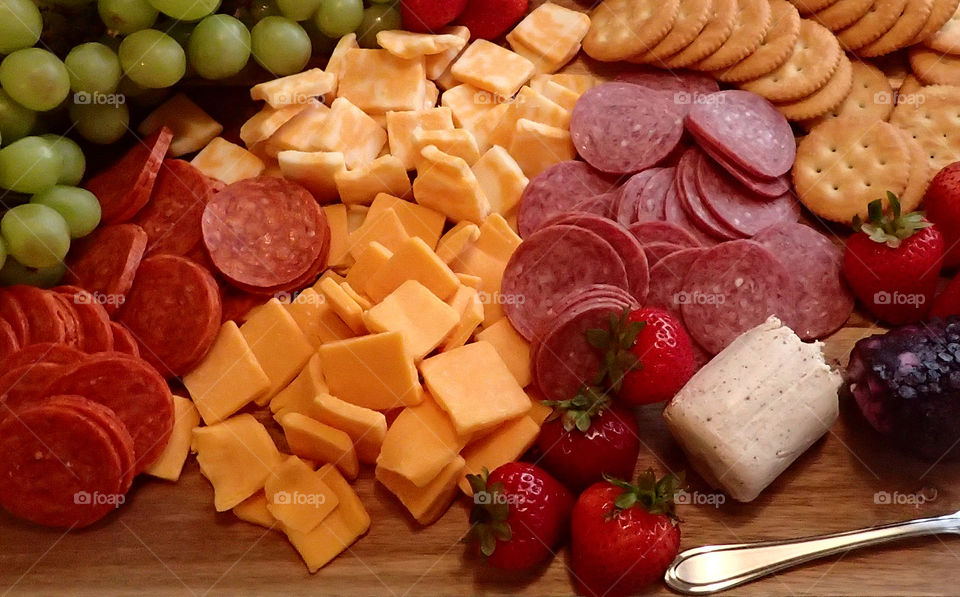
{"x":168,"y":540}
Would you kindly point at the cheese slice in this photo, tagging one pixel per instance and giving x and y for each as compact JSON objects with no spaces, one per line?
{"x":428,"y":503}
{"x":535,"y":106}
{"x":457,"y":240}
{"x":376,"y":81}
{"x":297,"y":497}
{"x":406,"y":44}
{"x":227,"y":162}
{"x":467,"y":104}
{"x":192,"y":128}
{"x":366,"y":427}
{"x":400,"y":127}
{"x":265,"y":123}
{"x":316,"y":319}
{"x":299,"y":394}
{"x":552,"y":33}
{"x":335,"y":62}
{"x":467,"y":303}
{"x":370,"y":260}
{"x":745,"y":416}
{"x":384,"y":227}
{"x":316,"y":171}
{"x":300,"y":88}
{"x":422,"y":222}
{"x":493,"y":68}
{"x":577,"y":83}
{"x":501,"y":180}
{"x":170,"y":462}
{"x":485,"y":126}
{"x":560,"y":95}
{"x":300,"y":132}
{"x":431,"y":95}
{"x":254,"y":510}
{"x":339,"y":255}
{"x":413,"y":260}
{"x":343,"y":305}
{"x":373,"y":371}
{"x":446,"y":184}
{"x":386,"y":174}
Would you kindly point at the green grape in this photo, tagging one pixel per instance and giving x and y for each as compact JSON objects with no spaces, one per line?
{"x":152,"y":59}
{"x":20,"y":25}
{"x":219,"y":47}
{"x":93,"y":68}
{"x":29,"y":165}
{"x":336,"y":18}
{"x":298,"y":10}
{"x":100,"y":123}
{"x":16,"y":121}
{"x":36,"y":235}
{"x":78,"y":207}
{"x":280,"y":45}
{"x":14,"y":272}
{"x":3,"y":252}
{"x":70,"y":3}
{"x":35,"y":78}
{"x":127,"y":16}
{"x":186,"y":10}
{"x":72,"y":161}
{"x":377,"y":18}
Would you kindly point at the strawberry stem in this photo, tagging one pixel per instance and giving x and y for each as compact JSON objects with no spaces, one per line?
{"x":654,"y":496}
{"x":488,"y":517}
{"x":893,"y":229}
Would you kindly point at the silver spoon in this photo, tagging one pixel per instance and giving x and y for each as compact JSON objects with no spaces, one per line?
{"x":714,"y":568}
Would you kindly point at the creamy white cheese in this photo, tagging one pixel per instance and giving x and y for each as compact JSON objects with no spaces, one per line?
{"x":752,"y":410}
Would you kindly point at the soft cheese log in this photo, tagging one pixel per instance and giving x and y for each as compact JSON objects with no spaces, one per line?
{"x":752,"y":410}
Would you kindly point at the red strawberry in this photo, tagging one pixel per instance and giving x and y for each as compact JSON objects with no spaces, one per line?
{"x":665,"y":353}
{"x":942,"y":204}
{"x":428,"y":16}
{"x":520,"y":515}
{"x":592,"y":437}
{"x":892,"y":263}
{"x":948,"y":301}
{"x":489,"y":19}
{"x":623,"y":536}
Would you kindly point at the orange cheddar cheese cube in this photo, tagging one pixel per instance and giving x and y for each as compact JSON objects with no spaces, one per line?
{"x":376,"y":81}
{"x":170,"y":462}
{"x":300,"y":88}
{"x":367,"y":428}
{"x":446,"y":184}
{"x":456,"y":142}
{"x":254,"y":510}
{"x":467,"y":104}
{"x":192,"y":128}
{"x":467,"y":303}
{"x":512,"y":348}
{"x":456,"y":240}
{"x":228,"y":378}
{"x":384,"y":227}
{"x":552,"y":33}
{"x":356,"y":215}
{"x":297,"y":497}
{"x":370,"y":260}
{"x":406,"y":44}
{"x":419,"y":443}
{"x":278,"y":344}
{"x":400,"y":127}
{"x":470,"y":281}
{"x":497,"y":239}
{"x":413,"y":260}
{"x":351,"y":132}
{"x":339,"y":255}
{"x":493,"y":68}
{"x":314,"y":440}
{"x":501,"y":180}
{"x":373,"y":371}
{"x":227,"y":162}
{"x":236,"y":456}
{"x":347,"y":523}
{"x":386,"y":174}
{"x":428,"y":503}
{"x":335,"y":62}
{"x":299,"y":394}
{"x":422,"y":222}
{"x":316,"y":171}
{"x":437,"y":64}
{"x":300,"y":132}
{"x":358,"y":298}
{"x":414,"y":311}
{"x":474,"y":386}
{"x":316,"y":319}
{"x":265,"y":123}
{"x":538,"y":146}
{"x":505,"y":444}
{"x":343,"y":305}
{"x":490,"y":271}
{"x":431,"y":95}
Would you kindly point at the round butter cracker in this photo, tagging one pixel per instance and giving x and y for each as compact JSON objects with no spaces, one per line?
{"x":920,"y":175}
{"x":903,"y":31}
{"x":944,"y":11}
{"x":845,"y":163}
{"x":932,"y":117}
{"x":815,"y":58}
{"x":718,"y":30}
{"x":825,"y":99}
{"x":808,"y":7}
{"x":691,"y":19}
{"x":842,"y":14}
{"x":934,"y":68}
{"x":910,"y":87}
{"x":946,"y":38}
{"x":870,"y":97}
{"x":620,"y":29}
{"x":879,"y":19}
{"x":753,"y":19}
{"x":774,"y":49}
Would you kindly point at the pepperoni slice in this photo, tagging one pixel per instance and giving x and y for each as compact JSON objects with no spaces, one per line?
{"x":27,"y":384}
{"x":556,"y":190}
{"x":11,"y":312}
{"x":93,"y":321}
{"x":123,"y":340}
{"x":124,"y":188}
{"x":172,"y":217}
{"x":45,"y":352}
{"x":44,"y":315}
{"x":106,"y":263}
{"x":9,"y":343}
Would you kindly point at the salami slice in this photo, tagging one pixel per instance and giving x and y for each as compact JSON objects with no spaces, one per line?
{"x":678,"y":81}
{"x":8,"y":340}
{"x":61,"y":354}
{"x":44,"y":314}
{"x":131,"y":388}
{"x":172,"y":217}
{"x":124,"y":188}
{"x":666,"y":278}
{"x":747,"y":129}
{"x":556,"y":190}
{"x":662,"y":232}
{"x":123,"y":340}
{"x":595,"y":291}
{"x":825,"y":302}
{"x":692,"y":202}
{"x":538,"y":276}
{"x":106,"y":263}
{"x":93,"y":321}
{"x":11,"y":312}
{"x":657,"y":251}
{"x":602,"y":205}
{"x":770,"y":188}
{"x":629,"y":197}
{"x":174,"y":312}
{"x":731,"y":288}
{"x":623,"y":128}
{"x":653,"y":200}
{"x":60,"y":468}
{"x":627,"y":247}
{"x":675,"y":213}
{"x":264,"y":232}
{"x":565,"y":360}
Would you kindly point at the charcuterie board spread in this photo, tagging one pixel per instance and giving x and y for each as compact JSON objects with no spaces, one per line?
{"x":474,"y":296}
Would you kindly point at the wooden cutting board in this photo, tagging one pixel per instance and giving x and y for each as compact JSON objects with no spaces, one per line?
{"x":168,"y":540}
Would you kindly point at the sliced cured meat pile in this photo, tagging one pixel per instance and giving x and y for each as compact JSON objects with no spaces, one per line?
{"x":106,"y":262}
{"x":558,"y":189}
{"x":266,"y":235}
{"x":63,"y":316}
{"x":171,"y":218}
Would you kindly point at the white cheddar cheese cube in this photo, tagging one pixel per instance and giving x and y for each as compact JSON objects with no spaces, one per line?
{"x":431,"y":95}
{"x":192,"y":128}
{"x":301,"y":88}
{"x":335,"y":63}
{"x":560,"y":95}
{"x":400,"y":127}
{"x":446,"y":184}
{"x":746,"y":415}
{"x":265,"y":123}
{"x":227,"y":162}
{"x":376,"y":81}
{"x":351,"y":132}
{"x":456,"y":142}
{"x":552,"y":33}
{"x":437,"y":64}
{"x":315,"y":170}
{"x":456,"y":240}
{"x":501,"y":180}
{"x":300,"y":132}
{"x":406,"y":44}
{"x":538,"y":146}
{"x":467,"y":104}
{"x":414,"y":311}
{"x":385,"y":174}
{"x":493,"y":68}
